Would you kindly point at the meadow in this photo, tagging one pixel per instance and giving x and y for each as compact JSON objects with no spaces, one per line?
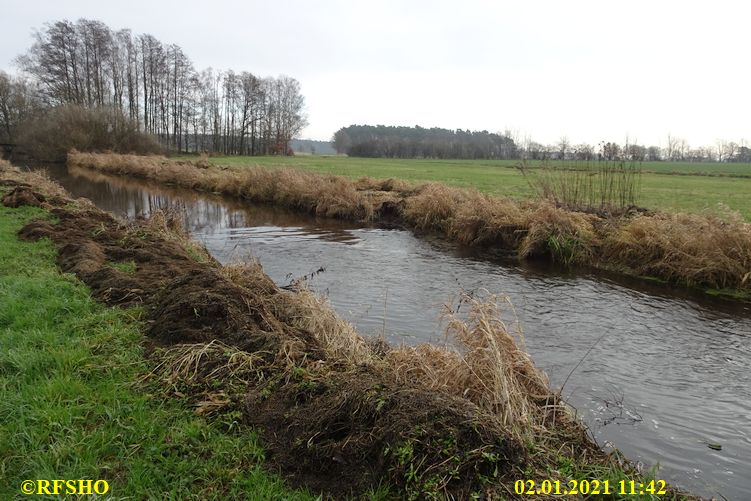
{"x":683,"y":186}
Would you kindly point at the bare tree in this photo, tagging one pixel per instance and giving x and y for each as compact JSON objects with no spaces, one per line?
{"x":584,"y":152}
{"x":653,"y":154}
{"x":15,"y":105}
{"x":730,"y":149}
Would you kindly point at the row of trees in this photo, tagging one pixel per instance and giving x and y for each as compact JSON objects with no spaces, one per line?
{"x":675,"y":150}
{"x":155,"y":86}
{"x":418,"y":142}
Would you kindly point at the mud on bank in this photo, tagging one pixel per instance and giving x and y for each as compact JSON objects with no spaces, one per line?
{"x":711,"y":250}
{"x":338,"y":413}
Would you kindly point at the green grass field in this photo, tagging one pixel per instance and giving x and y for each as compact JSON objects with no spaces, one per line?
{"x":73,"y":406}
{"x":690,"y":190}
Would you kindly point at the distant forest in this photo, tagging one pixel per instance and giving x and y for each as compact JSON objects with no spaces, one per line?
{"x":135,"y":80}
{"x":418,"y":142}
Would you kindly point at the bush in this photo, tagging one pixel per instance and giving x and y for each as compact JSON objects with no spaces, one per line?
{"x":50,"y":135}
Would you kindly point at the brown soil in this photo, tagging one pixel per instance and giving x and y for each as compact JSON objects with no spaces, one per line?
{"x":333,"y":427}
{"x":340,"y":434}
{"x":23,"y":195}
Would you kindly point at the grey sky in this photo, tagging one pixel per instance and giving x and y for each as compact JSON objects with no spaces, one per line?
{"x":589,"y":70}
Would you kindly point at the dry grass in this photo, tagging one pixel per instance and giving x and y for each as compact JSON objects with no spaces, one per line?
{"x":169,"y":223}
{"x":328,"y":196}
{"x":703,"y":249}
{"x":531,"y":229}
{"x":434,"y":207}
{"x":37,"y":178}
{"x":313,"y":313}
{"x":391,"y":184}
{"x":486,"y":220}
{"x":490,"y":368}
{"x":204,"y":361}
{"x":564,"y":236}
{"x":306,"y":311}
{"x":707,"y":250}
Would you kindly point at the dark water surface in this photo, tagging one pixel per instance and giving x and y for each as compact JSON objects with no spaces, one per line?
{"x":669,"y":375}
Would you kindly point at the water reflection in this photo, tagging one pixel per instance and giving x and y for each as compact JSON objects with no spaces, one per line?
{"x":668,"y":370}
{"x":205,"y":213}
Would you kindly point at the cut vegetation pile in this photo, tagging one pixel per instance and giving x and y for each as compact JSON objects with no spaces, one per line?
{"x":338,"y":413}
{"x":707,"y":250}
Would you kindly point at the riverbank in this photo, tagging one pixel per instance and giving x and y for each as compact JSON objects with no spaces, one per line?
{"x":709,"y":251}
{"x":351,"y":414}
{"x":671,"y":186}
{"x":76,"y":394}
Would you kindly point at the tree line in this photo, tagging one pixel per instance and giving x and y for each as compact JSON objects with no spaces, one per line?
{"x":419,"y":142}
{"x":153,"y":85}
{"x":675,"y":150}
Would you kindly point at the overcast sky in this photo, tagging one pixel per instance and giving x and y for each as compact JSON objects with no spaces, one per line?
{"x":587,"y":70}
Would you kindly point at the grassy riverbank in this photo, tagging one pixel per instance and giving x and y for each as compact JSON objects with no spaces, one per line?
{"x":680,"y":186}
{"x":74,"y":403}
{"x":338,"y":413}
{"x":711,"y":251}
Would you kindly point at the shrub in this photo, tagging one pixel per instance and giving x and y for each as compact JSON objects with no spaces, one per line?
{"x":50,"y":135}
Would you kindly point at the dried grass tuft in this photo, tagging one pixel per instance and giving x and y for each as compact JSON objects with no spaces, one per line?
{"x":711,"y":249}
{"x":485,"y":220}
{"x":490,"y":368}
{"x":198,"y":363}
{"x":434,"y":207}
{"x":313,"y":313}
{"x":169,"y":223}
{"x":304,"y":310}
{"x":391,"y":184}
{"x":564,"y":236}
{"x":39,"y":179}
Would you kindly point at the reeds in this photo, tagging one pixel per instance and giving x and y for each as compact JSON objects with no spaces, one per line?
{"x":610,"y":186}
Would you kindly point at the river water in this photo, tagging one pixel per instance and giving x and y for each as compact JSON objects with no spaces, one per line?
{"x":667,"y":374}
